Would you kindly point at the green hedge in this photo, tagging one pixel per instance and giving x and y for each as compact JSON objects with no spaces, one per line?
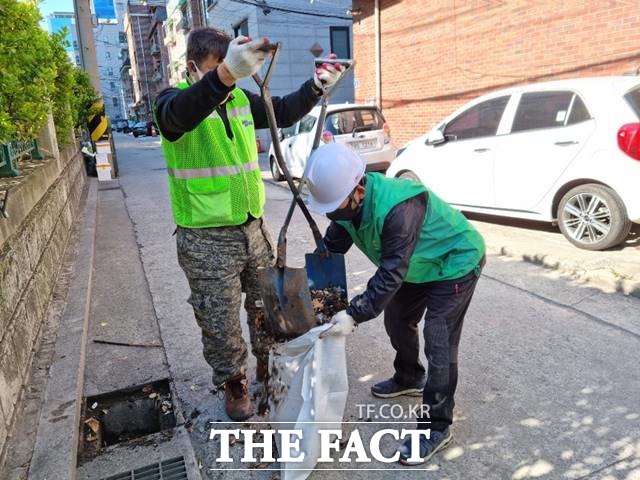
{"x":37,"y":76}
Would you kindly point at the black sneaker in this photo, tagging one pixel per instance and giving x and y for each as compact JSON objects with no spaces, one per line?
{"x":436,"y":442}
{"x":389,"y":389}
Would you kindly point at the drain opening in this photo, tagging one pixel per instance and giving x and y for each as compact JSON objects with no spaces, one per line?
{"x":125,"y":415}
{"x":173,"y":469}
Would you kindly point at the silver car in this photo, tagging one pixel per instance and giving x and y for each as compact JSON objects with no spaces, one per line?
{"x":360,"y":126}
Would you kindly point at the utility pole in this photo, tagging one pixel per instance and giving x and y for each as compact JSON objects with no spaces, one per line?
{"x":84,"y":27}
{"x":106,"y":160}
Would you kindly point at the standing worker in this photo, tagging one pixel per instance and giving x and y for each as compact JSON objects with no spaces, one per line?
{"x":428,"y":257}
{"x":207,"y":125}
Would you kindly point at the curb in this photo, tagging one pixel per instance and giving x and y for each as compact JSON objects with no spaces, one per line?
{"x":603,"y":278}
{"x":55,"y":451}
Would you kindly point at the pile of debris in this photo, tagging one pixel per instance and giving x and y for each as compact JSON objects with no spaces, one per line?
{"x":327,"y":302}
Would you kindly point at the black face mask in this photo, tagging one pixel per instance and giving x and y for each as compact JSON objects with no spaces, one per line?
{"x":347,"y":213}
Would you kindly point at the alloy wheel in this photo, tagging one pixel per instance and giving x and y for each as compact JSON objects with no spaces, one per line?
{"x":587,"y":218}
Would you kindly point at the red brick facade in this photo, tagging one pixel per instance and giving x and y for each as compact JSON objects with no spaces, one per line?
{"x":438,"y":54}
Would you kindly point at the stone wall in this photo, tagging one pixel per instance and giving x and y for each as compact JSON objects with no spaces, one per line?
{"x":42,"y":206}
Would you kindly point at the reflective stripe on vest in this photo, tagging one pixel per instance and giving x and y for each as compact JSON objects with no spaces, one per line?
{"x":188,"y":173}
{"x":239,"y":112}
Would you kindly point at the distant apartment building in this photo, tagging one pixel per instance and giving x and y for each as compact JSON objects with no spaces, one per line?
{"x":126,"y":84}
{"x":306,"y":29}
{"x":147,"y":55}
{"x":182,"y":17}
{"x":59,"y":20}
{"x":109,"y":38}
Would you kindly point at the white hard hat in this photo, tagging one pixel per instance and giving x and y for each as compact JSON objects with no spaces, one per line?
{"x":334,"y":171}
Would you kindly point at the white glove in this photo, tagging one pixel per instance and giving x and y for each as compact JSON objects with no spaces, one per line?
{"x":327,"y":75}
{"x":341,"y":324}
{"x":243,"y":58}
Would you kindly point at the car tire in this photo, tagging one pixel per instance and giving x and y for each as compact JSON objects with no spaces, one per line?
{"x":593,"y":217}
{"x":275,"y":170}
{"x":408,"y":174}
{"x":135,"y":135}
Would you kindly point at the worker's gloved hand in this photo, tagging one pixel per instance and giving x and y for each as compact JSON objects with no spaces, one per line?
{"x":327,"y":74}
{"x":243,"y":58}
{"x":341,"y":324}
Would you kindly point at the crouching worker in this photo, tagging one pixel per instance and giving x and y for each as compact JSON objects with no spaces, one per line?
{"x":429,"y":257}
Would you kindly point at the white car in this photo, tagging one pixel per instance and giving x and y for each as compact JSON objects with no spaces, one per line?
{"x":566,"y":152}
{"x":360,"y":126}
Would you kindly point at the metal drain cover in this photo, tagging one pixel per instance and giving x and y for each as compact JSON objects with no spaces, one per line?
{"x":172,"y":469}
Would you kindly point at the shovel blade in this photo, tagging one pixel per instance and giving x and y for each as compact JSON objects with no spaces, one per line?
{"x":326,"y":270}
{"x":287,"y":301}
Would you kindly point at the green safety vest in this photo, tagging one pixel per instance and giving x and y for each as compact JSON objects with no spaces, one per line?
{"x":448,"y":246}
{"x":215,"y":181}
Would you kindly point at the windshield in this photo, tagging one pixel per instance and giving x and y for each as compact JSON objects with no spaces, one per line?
{"x":346,"y":121}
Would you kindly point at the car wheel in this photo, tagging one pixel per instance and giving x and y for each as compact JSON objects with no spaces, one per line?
{"x":135,"y":134}
{"x":275,"y":171}
{"x":593,"y":217}
{"x":409,"y":174}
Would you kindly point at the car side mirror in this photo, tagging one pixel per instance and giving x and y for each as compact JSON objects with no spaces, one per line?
{"x":435,"y":137}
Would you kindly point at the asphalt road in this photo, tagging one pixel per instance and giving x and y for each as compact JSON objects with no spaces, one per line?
{"x":549,"y":379}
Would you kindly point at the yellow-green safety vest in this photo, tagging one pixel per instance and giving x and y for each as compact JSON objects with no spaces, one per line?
{"x":215,"y":181}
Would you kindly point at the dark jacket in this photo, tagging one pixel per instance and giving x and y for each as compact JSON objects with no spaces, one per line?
{"x":398,"y":241}
{"x":180,"y":111}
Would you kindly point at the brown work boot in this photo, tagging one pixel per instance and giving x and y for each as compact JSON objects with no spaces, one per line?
{"x":236,"y":399}
{"x":262,"y":370}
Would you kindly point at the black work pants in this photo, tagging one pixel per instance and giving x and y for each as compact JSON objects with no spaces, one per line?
{"x":446,"y":303}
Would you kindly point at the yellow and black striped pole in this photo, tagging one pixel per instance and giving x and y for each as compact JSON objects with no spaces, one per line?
{"x":97,"y":121}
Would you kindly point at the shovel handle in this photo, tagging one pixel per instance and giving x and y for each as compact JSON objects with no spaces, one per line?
{"x":263,"y":84}
{"x":349,"y":64}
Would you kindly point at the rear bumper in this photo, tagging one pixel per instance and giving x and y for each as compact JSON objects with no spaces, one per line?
{"x":378,"y":166}
{"x":380,"y":160}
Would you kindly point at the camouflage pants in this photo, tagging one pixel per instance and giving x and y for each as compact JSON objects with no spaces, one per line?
{"x":220,"y":264}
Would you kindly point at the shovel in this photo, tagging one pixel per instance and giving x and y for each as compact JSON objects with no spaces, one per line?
{"x":324,"y":269}
{"x":285,"y":293}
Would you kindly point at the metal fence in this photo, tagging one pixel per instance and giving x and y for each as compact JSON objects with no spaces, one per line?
{"x":11,"y":152}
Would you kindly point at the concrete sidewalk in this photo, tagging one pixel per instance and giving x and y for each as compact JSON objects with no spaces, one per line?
{"x":107,"y":340}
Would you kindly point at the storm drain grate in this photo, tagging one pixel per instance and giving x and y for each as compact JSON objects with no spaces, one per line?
{"x":173,"y":469}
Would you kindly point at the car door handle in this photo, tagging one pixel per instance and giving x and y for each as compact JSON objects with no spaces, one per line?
{"x":481,"y":150}
{"x":566,"y":143}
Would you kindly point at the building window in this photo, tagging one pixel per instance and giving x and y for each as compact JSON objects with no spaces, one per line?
{"x":122,"y":36}
{"x":241,"y":29}
{"x":115,"y":101}
{"x":110,"y":71}
{"x":113,"y":85}
{"x":340,"y":41}
{"x":78,"y":60}
{"x":75,"y":45}
{"x":107,"y":55}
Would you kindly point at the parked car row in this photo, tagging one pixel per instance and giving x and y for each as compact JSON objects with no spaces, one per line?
{"x":566,"y":152}
{"x":136,"y":128}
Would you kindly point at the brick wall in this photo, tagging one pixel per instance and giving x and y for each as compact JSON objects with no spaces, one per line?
{"x":438,"y":54}
{"x":32,"y":244}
